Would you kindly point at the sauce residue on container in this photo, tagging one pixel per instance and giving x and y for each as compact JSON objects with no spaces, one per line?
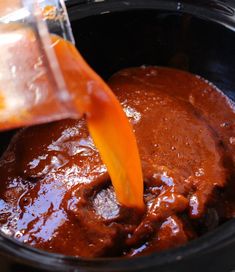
{"x":56,"y":193}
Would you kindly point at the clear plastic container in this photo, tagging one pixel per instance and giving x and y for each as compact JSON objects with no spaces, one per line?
{"x":32,"y":89}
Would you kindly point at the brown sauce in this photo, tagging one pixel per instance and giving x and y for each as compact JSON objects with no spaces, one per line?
{"x":56,"y":194}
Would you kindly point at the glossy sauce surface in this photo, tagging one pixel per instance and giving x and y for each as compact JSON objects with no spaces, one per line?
{"x":56,"y":194}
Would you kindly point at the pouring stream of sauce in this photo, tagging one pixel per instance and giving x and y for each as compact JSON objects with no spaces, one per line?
{"x":107,"y":123}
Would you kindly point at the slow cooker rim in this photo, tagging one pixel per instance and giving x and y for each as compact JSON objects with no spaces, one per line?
{"x":209,"y":242}
{"x":222,"y":13}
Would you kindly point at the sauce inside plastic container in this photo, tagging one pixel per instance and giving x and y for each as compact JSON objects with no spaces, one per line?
{"x":35,"y":97}
{"x":56,"y":193}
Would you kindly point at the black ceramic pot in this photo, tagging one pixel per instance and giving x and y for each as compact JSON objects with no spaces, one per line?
{"x":197,"y":36}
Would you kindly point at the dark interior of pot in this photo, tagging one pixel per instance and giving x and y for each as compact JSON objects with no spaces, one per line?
{"x":112,"y":41}
{"x":124,"y":39}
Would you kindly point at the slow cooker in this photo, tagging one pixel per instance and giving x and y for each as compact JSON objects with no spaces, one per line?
{"x":197,"y":36}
